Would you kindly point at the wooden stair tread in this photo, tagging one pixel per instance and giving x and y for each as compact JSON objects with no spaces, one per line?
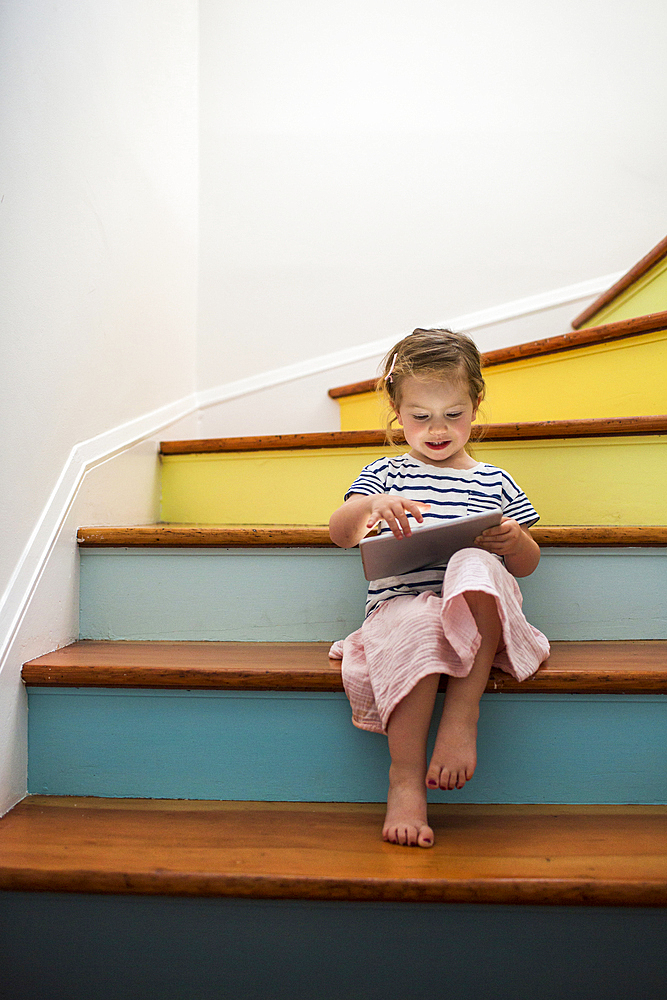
{"x":641,"y":268}
{"x":525,"y":431}
{"x":572,"y":340}
{"x":631,"y":667}
{"x":317,"y":536}
{"x":590,"y":855}
{"x":207,"y":536}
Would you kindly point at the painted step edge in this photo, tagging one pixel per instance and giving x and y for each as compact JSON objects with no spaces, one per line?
{"x":636,"y":272}
{"x":309,"y":536}
{"x":333,"y":852}
{"x":619,"y":330}
{"x":615,"y":667}
{"x":527,"y":431}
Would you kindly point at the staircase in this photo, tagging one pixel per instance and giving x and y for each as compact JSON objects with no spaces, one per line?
{"x":203,"y":819}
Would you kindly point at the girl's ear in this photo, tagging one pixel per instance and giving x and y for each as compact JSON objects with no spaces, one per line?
{"x":397,"y":415}
{"x":476,"y":406}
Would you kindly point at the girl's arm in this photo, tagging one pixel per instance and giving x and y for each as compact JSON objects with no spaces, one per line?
{"x":352,"y":521}
{"x":514,"y":543}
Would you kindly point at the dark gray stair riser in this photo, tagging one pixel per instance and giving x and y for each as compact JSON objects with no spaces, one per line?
{"x":66,"y":946}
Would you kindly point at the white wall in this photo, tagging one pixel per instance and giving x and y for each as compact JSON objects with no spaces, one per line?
{"x":99,"y":272}
{"x":372,"y":166}
{"x":120,"y":488}
{"x":294,"y":398}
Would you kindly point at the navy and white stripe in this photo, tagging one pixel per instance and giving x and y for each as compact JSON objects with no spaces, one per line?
{"x":451,"y":493}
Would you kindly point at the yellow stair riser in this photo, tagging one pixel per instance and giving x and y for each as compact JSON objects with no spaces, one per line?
{"x":625,"y":378}
{"x":648,"y":294}
{"x":576,"y":481}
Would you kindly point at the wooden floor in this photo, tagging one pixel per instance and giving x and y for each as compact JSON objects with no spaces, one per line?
{"x":591,"y":855}
{"x":632,"y":667}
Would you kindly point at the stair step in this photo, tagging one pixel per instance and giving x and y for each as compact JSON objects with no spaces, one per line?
{"x":551,"y":379}
{"x":166,"y":900}
{"x":524,"y":431}
{"x":581,"y":855}
{"x":289,"y":594}
{"x":303,"y":485}
{"x":584,"y":667}
{"x":642,"y":288}
{"x":572,"y":340}
{"x":270,"y":722}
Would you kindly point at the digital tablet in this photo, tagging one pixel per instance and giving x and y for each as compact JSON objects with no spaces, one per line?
{"x":385,"y":555}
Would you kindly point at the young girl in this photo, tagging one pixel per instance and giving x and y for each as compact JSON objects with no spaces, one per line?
{"x":457,"y":618}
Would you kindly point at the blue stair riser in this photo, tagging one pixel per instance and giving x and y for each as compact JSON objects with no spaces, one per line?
{"x":303,"y":747}
{"x":311,"y":595}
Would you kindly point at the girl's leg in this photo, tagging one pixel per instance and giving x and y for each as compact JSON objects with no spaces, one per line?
{"x":455,"y":752}
{"x":406,"y":821}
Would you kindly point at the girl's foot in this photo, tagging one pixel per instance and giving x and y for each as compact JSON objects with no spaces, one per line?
{"x":454,"y":755}
{"x":406,"y":821}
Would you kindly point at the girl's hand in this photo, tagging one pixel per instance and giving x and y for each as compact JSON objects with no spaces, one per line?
{"x":514,"y":543}
{"x":502,"y":540}
{"x":395,"y":510}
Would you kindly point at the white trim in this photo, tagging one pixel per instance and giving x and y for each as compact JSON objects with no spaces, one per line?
{"x":373,"y":348}
{"x":82,"y":457}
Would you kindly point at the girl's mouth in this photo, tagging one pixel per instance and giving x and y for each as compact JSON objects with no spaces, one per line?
{"x":437,"y":445}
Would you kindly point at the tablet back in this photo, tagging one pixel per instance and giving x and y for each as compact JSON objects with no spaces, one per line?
{"x":385,"y":555}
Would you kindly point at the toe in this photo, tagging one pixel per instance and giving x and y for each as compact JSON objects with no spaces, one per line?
{"x":433,"y":777}
{"x":425,"y":838}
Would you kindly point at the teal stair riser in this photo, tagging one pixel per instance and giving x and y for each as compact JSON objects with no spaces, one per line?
{"x":65,"y":946}
{"x":303,"y":747}
{"x":310,"y":595}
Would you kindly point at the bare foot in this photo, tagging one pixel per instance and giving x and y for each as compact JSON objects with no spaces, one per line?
{"x":454,"y":755}
{"x":406,"y":821}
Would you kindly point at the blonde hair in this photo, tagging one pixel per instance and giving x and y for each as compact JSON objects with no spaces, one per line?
{"x":429,"y":354}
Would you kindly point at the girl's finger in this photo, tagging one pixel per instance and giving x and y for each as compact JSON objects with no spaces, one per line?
{"x":405,"y":525}
{"x":416,"y":509}
{"x":498,"y":532}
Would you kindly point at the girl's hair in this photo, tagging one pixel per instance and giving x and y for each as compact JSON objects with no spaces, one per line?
{"x":430,"y":354}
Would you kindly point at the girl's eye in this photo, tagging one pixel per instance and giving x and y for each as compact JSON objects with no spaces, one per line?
{"x":453,"y":416}
{"x":421,"y":416}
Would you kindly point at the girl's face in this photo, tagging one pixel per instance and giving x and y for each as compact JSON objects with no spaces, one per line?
{"x":437,"y":416}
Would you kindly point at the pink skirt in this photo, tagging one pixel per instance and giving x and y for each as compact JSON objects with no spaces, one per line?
{"x":408,"y":638}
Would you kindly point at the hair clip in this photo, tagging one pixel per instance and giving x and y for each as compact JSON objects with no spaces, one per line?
{"x":388,"y":377}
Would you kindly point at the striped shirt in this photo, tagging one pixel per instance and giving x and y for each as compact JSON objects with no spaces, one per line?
{"x":451,"y":493}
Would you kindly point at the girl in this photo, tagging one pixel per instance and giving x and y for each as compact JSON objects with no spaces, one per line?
{"x":457,"y":619}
